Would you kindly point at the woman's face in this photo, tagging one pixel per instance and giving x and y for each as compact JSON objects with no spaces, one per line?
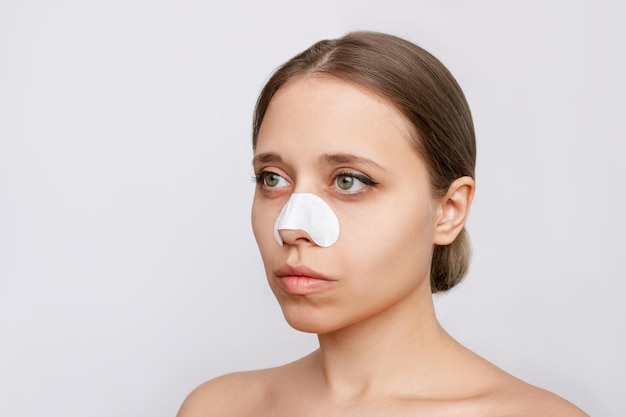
{"x":353,"y":149}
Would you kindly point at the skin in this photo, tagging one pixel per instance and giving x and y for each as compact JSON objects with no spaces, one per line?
{"x":382,"y":351}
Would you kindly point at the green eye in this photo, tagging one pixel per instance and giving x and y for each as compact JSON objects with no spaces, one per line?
{"x":348,"y":182}
{"x":345,"y":182}
{"x":353,"y":182}
{"x":270,"y":179}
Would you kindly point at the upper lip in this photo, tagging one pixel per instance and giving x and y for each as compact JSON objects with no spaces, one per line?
{"x":299,"y":271}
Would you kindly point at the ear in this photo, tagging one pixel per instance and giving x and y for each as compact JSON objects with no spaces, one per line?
{"x":452,"y":210}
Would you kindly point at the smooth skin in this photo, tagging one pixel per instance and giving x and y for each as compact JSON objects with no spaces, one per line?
{"x":382,"y":351}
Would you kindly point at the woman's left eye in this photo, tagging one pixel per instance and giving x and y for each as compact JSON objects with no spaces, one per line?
{"x":352,"y":182}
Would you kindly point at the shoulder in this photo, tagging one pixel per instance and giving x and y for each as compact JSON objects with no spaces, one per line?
{"x":491,"y":391}
{"x":236,"y":394}
{"x":240,"y":394}
{"x":521,"y":399}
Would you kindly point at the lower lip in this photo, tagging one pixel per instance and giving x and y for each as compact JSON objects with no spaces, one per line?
{"x":299,"y":285}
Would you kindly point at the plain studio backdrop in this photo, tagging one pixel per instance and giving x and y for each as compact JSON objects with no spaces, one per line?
{"x":128,"y":269}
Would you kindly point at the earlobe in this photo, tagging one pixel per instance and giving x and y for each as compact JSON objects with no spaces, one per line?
{"x":453,"y":210}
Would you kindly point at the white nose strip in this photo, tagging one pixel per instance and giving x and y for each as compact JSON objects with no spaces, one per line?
{"x":311,"y":214}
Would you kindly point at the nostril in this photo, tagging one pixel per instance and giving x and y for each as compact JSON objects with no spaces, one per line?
{"x":294,"y":236}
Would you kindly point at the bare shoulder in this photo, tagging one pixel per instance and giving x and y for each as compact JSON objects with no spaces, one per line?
{"x":498,"y":393}
{"x":241,"y":394}
{"x":521,"y":399}
{"x":237,"y":394}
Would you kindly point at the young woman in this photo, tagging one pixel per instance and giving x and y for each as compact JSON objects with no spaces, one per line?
{"x":364,"y":156}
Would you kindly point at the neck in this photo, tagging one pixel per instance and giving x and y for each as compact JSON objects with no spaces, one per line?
{"x":382,"y":352}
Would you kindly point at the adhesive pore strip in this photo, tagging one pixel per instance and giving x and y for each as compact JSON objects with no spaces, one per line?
{"x":311,"y":214}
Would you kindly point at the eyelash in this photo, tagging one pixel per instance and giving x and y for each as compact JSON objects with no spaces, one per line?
{"x":257,"y":178}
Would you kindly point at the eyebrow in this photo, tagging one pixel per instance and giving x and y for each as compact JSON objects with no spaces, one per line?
{"x":266,"y":158}
{"x":327,"y":159}
{"x":347,"y":158}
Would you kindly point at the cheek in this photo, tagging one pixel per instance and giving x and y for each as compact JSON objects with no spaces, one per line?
{"x":263,"y":216}
{"x":391,"y":234}
{"x":262,"y":222}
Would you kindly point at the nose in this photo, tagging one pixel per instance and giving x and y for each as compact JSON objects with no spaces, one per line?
{"x":307,"y":216}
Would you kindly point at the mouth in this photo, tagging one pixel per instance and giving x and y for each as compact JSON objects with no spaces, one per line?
{"x":301,"y":280}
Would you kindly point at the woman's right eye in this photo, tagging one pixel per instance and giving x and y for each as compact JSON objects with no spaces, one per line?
{"x":271,"y":180}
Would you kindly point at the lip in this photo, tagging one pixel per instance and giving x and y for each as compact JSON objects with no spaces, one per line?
{"x":301,"y":280}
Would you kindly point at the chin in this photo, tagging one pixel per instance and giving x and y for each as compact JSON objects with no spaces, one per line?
{"x":316,"y":320}
{"x":309,"y":321}
{"x":305,"y":324}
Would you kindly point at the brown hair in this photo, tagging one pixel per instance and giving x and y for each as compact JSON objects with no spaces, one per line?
{"x":421,"y":88}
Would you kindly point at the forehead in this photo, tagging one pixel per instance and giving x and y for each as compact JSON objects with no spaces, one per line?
{"x":326,"y":112}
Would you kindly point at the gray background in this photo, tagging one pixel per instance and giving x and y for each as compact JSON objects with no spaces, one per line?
{"x":128,"y":269}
